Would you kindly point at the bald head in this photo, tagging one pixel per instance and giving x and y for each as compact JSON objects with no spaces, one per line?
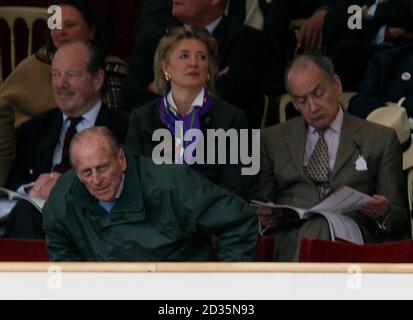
{"x":305,"y":61}
{"x":315,"y":89}
{"x":94,"y":138}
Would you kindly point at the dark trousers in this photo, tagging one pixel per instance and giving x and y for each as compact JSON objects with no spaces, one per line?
{"x":25,"y":222}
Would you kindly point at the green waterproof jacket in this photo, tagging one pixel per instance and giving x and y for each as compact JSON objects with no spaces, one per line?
{"x":165,"y":213}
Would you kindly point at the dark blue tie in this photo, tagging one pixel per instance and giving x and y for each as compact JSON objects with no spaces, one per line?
{"x":70,"y":133}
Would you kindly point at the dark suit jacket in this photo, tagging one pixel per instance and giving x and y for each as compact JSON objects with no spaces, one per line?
{"x":241,"y":48}
{"x":144,"y":121}
{"x":38,"y":137}
{"x":396,"y":13}
{"x":152,"y":7}
{"x":383,"y":82}
{"x":283,"y":180}
{"x":299,"y":9}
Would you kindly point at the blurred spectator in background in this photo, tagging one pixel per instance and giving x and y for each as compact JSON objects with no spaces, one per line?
{"x":388,"y":78}
{"x":385,"y":24}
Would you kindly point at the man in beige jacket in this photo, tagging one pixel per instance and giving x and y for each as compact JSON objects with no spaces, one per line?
{"x":308,"y":158}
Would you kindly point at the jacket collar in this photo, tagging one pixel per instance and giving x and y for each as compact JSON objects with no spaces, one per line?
{"x":349,"y":143}
{"x":295,"y":140}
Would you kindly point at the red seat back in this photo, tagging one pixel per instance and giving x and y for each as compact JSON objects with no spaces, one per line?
{"x":23,"y":250}
{"x":316,"y":250}
{"x":265,"y":249}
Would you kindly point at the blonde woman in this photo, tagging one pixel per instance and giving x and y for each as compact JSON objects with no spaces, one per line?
{"x":185,"y":70}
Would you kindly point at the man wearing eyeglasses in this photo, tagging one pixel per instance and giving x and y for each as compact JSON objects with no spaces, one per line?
{"x":116,"y":206}
{"x":307,"y":159}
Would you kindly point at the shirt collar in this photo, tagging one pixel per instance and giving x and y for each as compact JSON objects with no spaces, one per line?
{"x":121,"y":186}
{"x":213,"y":25}
{"x":198,"y":102}
{"x":89,"y":116}
{"x":108,"y":205}
{"x":336,"y":125}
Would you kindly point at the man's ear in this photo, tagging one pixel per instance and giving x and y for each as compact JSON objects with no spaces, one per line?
{"x":295,"y":106}
{"x":338,"y":85}
{"x":99,"y":80}
{"x":216,"y":2}
{"x":122,"y":159}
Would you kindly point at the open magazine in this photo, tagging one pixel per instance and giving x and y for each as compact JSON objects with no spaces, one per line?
{"x":11,"y":195}
{"x":333,"y":208}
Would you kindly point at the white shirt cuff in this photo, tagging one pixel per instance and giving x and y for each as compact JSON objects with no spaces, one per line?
{"x":24,"y":188}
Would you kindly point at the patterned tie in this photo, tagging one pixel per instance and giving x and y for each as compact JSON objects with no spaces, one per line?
{"x":70,"y":133}
{"x":318,"y":166}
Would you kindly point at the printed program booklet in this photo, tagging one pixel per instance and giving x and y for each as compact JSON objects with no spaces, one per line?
{"x":334,"y":209}
{"x":11,"y":195}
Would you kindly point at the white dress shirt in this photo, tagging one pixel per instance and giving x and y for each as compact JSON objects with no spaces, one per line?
{"x":198,"y":102}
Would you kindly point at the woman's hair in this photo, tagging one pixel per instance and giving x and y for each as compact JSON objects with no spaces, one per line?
{"x":89,"y":15}
{"x":169,"y":42}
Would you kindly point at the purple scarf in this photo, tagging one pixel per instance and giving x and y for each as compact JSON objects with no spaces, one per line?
{"x":190,"y":121}
{"x":169,"y":116}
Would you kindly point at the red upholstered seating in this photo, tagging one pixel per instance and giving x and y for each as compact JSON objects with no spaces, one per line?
{"x":265,"y":249}
{"x":316,"y":250}
{"x":23,"y":250}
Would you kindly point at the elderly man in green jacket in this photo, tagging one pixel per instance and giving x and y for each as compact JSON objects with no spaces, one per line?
{"x":118,"y":207}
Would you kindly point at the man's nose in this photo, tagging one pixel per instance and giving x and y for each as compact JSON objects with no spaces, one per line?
{"x":61,"y":81}
{"x":96,"y":178}
{"x":312,"y":104}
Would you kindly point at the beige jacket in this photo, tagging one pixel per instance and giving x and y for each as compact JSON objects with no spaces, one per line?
{"x":283,"y":180}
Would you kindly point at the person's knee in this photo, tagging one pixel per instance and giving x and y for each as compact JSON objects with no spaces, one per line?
{"x":24,"y":222}
{"x":316,"y":227}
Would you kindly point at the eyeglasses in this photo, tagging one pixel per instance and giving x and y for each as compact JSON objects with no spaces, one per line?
{"x":88,"y":173}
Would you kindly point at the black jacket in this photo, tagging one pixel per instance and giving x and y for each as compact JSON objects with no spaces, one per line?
{"x":383,"y":82}
{"x":394,"y":13}
{"x":38,"y":137}
{"x":144,"y":121}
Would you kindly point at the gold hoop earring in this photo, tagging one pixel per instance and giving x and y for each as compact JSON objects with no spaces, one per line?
{"x":167,"y":76}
